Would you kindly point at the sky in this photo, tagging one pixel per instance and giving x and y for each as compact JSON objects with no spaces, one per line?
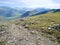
{"x":31,"y":3}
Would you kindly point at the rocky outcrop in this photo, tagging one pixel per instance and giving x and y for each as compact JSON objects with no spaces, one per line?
{"x":55,"y":27}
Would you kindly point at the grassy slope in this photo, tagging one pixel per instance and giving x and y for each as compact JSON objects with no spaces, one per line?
{"x":43,"y":21}
{"x":39,"y":21}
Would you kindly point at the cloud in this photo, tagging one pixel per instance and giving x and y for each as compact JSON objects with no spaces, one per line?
{"x":6,"y":2}
{"x":33,"y":3}
{"x":40,"y":3}
{"x":56,"y":1}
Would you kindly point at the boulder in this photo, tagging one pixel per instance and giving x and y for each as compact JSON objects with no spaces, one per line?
{"x":55,"y":27}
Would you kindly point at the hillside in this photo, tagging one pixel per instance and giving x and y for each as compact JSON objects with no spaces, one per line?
{"x":48,"y":24}
{"x":17,"y":35}
{"x":12,"y":13}
{"x":34,"y":30}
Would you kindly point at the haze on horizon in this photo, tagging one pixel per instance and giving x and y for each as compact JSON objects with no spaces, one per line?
{"x":31,"y":3}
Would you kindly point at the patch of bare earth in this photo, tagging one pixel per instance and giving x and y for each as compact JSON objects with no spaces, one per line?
{"x":17,"y":35}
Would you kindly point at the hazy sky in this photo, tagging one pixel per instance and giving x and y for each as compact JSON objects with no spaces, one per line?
{"x":31,"y":3}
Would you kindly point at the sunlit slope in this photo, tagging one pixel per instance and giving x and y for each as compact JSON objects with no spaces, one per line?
{"x":37,"y":25}
{"x":43,"y":22}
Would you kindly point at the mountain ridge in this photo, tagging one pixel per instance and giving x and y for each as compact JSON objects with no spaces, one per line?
{"x":24,"y":12}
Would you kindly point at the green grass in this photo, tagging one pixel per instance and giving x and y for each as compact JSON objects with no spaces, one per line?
{"x":42,"y":21}
{"x":2,"y":43}
{"x":45,"y":20}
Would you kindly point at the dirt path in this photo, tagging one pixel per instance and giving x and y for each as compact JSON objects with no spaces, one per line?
{"x":22,"y":36}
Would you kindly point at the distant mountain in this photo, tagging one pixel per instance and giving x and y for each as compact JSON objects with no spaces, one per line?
{"x":8,"y":12}
{"x":39,"y":11}
{"x":55,"y":10}
{"x":11,"y":13}
{"x":35,"y":12}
